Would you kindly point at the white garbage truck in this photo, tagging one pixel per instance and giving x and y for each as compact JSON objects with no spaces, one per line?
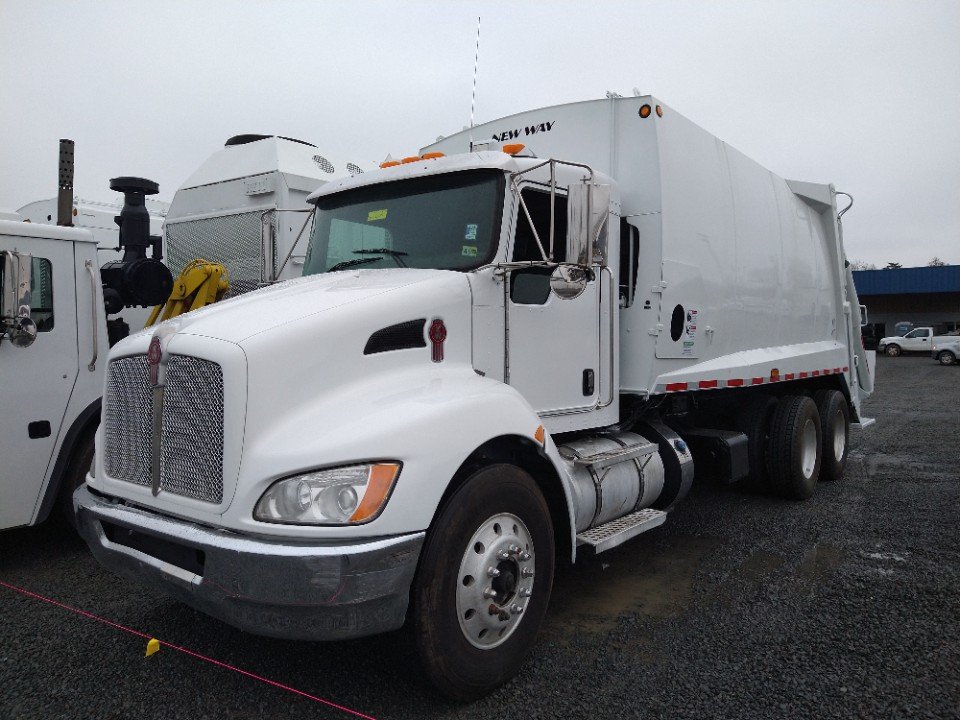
{"x":500,"y":353}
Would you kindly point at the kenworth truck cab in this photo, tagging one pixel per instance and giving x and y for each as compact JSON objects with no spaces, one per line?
{"x":495,"y":357}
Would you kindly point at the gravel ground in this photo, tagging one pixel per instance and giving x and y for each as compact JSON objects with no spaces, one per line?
{"x":847,"y":605}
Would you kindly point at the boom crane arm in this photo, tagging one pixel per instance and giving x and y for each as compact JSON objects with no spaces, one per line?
{"x":200,"y":283}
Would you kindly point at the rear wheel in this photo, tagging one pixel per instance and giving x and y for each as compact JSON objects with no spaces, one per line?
{"x":946,"y":358}
{"x":794,"y":447}
{"x":484,"y":582}
{"x":753,"y":420}
{"x":893,"y":350}
{"x":835,"y":432}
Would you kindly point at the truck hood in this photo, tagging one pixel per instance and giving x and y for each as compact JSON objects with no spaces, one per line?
{"x":241,"y":318}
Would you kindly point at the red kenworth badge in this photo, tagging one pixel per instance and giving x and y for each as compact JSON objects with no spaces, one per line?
{"x":153,"y":359}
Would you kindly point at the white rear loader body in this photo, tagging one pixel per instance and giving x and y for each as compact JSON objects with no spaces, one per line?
{"x":497,"y":355}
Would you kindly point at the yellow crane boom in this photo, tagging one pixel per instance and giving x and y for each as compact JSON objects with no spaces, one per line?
{"x":200,"y":283}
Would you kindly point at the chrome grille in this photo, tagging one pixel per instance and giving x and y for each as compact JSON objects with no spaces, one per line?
{"x":231,"y":240}
{"x":191,"y":451}
{"x":128,"y":420}
{"x":191,"y":446}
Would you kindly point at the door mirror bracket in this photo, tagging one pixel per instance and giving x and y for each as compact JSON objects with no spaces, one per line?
{"x":15,"y":320}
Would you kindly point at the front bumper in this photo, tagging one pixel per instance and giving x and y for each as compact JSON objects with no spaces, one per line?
{"x":277,"y":588}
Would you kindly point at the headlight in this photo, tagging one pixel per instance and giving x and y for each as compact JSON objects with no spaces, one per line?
{"x":339,"y":496}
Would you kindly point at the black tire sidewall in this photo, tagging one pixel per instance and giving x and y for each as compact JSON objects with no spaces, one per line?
{"x":946,"y":358}
{"x":457,"y":668}
{"x":75,"y":475}
{"x":828,"y":402}
{"x":784,"y":457}
{"x":892,"y":350}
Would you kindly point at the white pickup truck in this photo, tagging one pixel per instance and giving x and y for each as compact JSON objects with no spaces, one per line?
{"x":946,"y":350}
{"x":919,"y":339}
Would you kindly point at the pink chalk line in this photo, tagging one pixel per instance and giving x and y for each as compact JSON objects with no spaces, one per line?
{"x":185,"y":651}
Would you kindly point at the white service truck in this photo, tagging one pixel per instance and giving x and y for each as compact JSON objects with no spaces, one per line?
{"x":497,"y":356}
{"x":920,"y":339}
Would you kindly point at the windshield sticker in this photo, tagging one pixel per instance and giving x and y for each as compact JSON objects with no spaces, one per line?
{"x":377,"y":215}
{"x":469,"y":250}
{"x":471,"y":233}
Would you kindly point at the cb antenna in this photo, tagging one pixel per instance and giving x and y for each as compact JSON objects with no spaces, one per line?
{"x":473,"y":98}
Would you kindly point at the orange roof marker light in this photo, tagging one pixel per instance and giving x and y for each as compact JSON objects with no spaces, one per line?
{"x":513,"y":148}
{"x":645,"y":111}
{"x":389,"y":163}
{"x":412,"y":158}
{"x":659,"y":111}
{"x":432,"y":156}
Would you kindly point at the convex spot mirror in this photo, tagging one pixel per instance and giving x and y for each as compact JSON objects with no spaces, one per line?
{"x":568,"y":281}
{"x":588,"y":206}
{"x":15,"y":318}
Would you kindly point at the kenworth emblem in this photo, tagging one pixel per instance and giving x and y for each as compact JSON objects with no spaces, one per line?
{"x":153,"y":360}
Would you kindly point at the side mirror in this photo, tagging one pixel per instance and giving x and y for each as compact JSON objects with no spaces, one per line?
{"x":15,"y":318}
{"x":588,"y":207}
{"x":568,"y":281}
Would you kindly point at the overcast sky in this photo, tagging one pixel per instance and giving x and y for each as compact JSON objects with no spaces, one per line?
{"x":865,"y":95}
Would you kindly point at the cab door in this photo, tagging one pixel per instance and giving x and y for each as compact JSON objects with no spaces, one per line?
{"x":552,"y":344}
{"x":36,"y":381}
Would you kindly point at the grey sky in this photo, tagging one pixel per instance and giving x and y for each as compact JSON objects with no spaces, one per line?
{"x":862,"y":94}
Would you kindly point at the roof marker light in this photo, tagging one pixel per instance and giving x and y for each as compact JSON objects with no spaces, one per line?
{"x":659,"y":111}
{"x":432,"y":155}
{"x":644,"y":111}
{"x":389,"y":163}
{"x":513,"y":148}
{"x":412,"y":158}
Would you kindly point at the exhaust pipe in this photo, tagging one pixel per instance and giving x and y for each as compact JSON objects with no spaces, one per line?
{"x":65,"y":192}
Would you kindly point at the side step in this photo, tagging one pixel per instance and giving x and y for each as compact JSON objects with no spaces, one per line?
{"x":864,"y":423}
{"x":616,"y":532}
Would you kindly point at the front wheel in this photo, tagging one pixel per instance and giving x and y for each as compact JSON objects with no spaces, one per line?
{"x":484,"y":582}
{"x":946,"y":358}
{"x":892,"y":350}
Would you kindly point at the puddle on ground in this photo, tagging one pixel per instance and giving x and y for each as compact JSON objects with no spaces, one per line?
{"x":821,"y":562}
{"x":635,"y":578}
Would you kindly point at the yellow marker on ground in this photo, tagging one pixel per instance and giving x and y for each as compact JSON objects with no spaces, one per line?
{"x":152,"y":647}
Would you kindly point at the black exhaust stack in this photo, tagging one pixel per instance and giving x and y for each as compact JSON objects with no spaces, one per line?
{"x":65,"y":185}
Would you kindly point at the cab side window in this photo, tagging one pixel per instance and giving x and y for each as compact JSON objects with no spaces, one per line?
{"x":531,"y":286}
{"x":41,"y":294}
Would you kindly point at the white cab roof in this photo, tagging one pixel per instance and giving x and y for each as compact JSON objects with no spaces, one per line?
{"x":42,"y":230}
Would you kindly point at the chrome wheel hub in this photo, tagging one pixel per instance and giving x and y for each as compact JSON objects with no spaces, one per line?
{"x":808,"y":448}
{"x":839,"y":436}
{"x":495,"y":583}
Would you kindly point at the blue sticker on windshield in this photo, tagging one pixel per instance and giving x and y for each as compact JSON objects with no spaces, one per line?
{"x":471,"y":233}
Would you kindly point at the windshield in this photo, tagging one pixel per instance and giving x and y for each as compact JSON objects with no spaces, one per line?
{"x":449,"y":222}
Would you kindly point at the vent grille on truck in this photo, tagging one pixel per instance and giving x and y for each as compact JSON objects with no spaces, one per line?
{"x":191,"y":440}
{"x":232,"y":240}
{"x":127,"y":420}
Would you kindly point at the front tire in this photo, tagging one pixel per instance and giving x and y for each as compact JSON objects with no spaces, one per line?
{"x":835,"y":431}
{"x":946,"y":358}
{"x":794,"y":447}
{"x":75,"y":476}
{"x":893,"y":350}
{"x":484,"y":582}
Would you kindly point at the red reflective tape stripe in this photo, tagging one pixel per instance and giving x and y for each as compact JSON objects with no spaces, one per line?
{"x":707,"y":384}
{"x":845,"y":368}
{"x":789,"y":376}
{"x":676,"y":387}
{"x":803,"y":375}
{"x":756,"y":381}
{"x":816,"y":372}
{"x":836,"y":371}
{"x":734,"y":382}
{"x":774,"y":378}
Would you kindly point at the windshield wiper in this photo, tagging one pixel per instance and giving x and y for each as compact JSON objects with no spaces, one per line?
{"x":395,"y":254}
{"x":350,"y":263}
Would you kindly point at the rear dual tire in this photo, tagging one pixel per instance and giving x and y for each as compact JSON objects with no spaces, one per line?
{"x":794,"y":448}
